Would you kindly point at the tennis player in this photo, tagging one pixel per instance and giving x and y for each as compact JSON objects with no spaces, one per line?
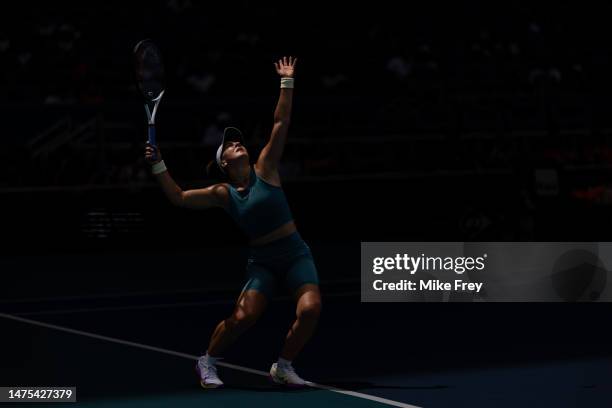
{"x":278,"y":256}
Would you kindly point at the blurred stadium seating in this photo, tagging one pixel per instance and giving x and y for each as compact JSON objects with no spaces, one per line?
{"x":488,"y":94}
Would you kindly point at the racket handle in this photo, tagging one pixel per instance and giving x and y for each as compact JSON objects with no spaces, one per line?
{"x":152,"y":140}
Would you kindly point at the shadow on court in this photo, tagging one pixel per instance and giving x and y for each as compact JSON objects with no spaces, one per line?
{"x":358,"y":348}
{"x":107,"y":373}
{"x":112,"y":374}
{"x":364,"y":385}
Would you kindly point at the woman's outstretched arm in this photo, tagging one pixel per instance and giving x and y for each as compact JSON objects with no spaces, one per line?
{"x":270,"y":156}
{"x":212,"y":196}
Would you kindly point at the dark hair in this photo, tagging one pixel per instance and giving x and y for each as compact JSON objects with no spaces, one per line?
{"x":214,"y":172}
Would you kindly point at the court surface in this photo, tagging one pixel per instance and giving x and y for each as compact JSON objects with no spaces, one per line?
{"x":133,"y":352}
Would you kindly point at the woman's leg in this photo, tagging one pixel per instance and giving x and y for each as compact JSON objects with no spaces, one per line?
{"x":250,"y":305}
{"x":308,"y":309}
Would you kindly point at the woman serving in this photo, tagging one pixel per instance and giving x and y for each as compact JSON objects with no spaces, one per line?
{"x":278,"y":256}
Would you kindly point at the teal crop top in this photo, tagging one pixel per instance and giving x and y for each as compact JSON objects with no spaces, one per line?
{"x":260,"y":209}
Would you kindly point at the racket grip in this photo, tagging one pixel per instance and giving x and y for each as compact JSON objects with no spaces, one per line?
{"x":152,"y":140}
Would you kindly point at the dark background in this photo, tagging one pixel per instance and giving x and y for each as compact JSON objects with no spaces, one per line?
{"x":474,"y":121}
{"x":429,"y":122}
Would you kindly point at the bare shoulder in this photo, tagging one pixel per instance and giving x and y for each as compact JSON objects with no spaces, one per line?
{"x":220,"y":191}
{"x":269,"y":176}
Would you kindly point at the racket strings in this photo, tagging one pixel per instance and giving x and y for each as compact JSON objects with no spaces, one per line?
{"x":149,"y":70}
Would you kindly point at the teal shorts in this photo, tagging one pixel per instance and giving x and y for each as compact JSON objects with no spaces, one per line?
{"x":286,"y":262}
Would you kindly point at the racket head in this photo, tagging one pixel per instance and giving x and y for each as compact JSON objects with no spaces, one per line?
{"x":149,"y":69}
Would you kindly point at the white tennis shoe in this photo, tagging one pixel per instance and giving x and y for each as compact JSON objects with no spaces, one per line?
{"x":207,"y":373}
{"x":286,"y":375}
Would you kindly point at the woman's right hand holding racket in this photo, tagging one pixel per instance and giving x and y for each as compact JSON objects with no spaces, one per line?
{"x":152,"y":154}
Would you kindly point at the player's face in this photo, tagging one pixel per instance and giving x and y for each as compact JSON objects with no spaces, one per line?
{"x":234,"y":150}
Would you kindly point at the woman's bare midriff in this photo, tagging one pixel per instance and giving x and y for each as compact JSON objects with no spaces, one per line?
{"x":281,"y":232}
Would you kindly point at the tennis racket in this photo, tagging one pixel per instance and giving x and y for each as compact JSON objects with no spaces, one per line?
{"x":149,"y":69}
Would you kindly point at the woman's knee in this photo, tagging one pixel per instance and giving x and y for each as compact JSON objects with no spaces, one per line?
{"x":310,"y":310}
{"x":249,"y":307}
{"x":241,"y":320}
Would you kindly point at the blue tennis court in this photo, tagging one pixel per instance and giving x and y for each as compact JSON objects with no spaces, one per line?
{"x":132,"y":352}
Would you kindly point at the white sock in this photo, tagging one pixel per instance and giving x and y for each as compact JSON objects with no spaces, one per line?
{"x":284,"y":363}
